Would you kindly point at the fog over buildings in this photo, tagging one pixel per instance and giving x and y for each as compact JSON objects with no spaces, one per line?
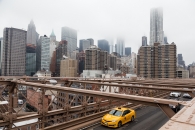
{"x":100,"y":19}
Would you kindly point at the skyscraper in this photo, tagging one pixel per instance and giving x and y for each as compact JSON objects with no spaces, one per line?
{"x":32,"y":35}
{"x":14,"y":50}
{"x":144,"y":41}
{"x":104,"y":45}
{"x":52,"y":37}
{"x":1,"y":52}
{"x":180,"y":60}
{"x":70,"y":35}
{"x":47,"y":48}
{"x":127,"y":51}
{"x":91,"y":41}
{"x":165,"y":40}
{"x":30,"y":66}
{"x":111,"y":42}
{"x":31,"y":43}
{"x":83,"y":44}
{"x":61,"y":50}
{"x":120,"y":48}
{"x":38,"y":54}
{"x":115,"y":48}
{"x":156,"y":26}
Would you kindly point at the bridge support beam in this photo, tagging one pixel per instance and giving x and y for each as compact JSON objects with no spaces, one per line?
{"x":191,"y":94}
{"x":167,"y":110}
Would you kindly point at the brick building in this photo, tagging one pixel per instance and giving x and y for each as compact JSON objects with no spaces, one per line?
{"x":112,"y":61}
{"x":95,"y":58}
{"x":60,"y":51}
{"x":53,"y":63}
{"x":68,"y":68}
{"x":35,"y":99}
{"x":158,"y":61}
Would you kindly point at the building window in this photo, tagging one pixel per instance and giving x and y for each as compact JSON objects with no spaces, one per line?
{"x":28,"y":128}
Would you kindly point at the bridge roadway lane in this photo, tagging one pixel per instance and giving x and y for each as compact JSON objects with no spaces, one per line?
{"x":148,"y":118}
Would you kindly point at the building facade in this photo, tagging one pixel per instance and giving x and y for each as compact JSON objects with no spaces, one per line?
{"x":128,"y":51}
{"x":192,"y":70}
{"x":68,"y":68}
{"x":165,"y":40}
{"x":81,"y":61}
{"x":125,"y":69}
{"x":112,"y":62}
{"x":144,"y":41}
{"x":74,"y":54}
{"x":180,"y":60}
{"x":30,"y":59}
{"x":181,"y":73}
{"x":70,"y":35}
{"x":156,"y":26}
{"x":104,"y":45}
{"x":32,"y":41}
{"x":133,"y":63}
{"x":32,"y":35}
{"x":158,"y":61}
{"x":61,"y":51}
{"x":95,"y":59}
{"x":120,"y":47}
{"x":118,"y":60}
{"x":83,"y":45}
{"x":38,"y":54}
{"x":14,"y":50}
{"x":47,"y":48}
{"x":53,"y":37}
{"x":53,"y":64}
{"x":91,"y":41}
{"x":1,"y":53}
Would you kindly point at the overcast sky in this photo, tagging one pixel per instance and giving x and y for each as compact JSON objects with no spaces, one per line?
{"x":105,"y":19}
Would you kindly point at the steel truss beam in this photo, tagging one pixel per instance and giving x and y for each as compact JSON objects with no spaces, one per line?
{"x":131,"y":98}
{"x":159,"y":83}
{"x":139,"y":86}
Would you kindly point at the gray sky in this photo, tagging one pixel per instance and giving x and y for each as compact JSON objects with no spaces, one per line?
{"x":105,"y":19}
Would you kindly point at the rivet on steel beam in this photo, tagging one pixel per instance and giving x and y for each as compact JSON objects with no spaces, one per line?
{"x":190,"y":105}
{"x":155,"y":100}
{"x":193,"y":111}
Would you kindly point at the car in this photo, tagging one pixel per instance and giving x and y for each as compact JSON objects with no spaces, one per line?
{"x":186,"y":95}
{"x":175,"y":108}
{"x":118,"y":117}
{"x":175,"y":94}
{"x":20,"y":102}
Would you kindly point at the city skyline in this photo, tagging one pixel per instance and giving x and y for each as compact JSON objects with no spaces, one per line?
{"x":115,"y":23}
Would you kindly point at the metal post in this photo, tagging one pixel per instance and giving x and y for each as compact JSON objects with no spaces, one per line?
{"x":84,"y":102}
{"x":11,"y":103}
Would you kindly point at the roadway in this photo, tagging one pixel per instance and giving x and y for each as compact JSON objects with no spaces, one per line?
{"x":148,"y":118}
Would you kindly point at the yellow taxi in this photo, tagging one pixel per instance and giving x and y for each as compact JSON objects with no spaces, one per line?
{"x":118,"y":116}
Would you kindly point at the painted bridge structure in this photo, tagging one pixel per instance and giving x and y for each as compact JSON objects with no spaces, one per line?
{"x":75,"y":102}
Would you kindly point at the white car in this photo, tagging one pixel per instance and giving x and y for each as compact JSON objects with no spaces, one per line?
{"x":175,"y":94}
{"x":186,"y":95}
